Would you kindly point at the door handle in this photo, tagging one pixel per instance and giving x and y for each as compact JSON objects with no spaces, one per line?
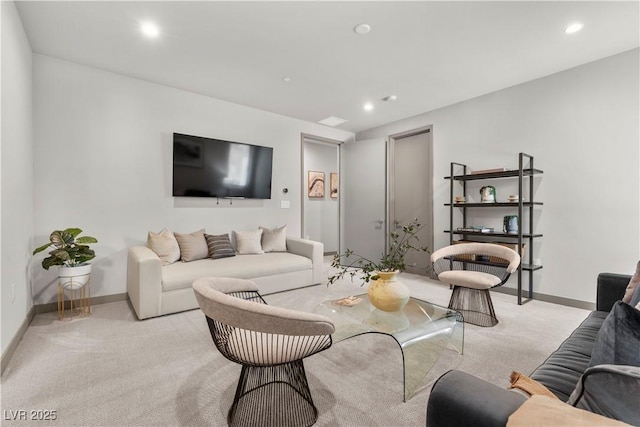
{"x":397,"y":224}
{"x":379,"y":221}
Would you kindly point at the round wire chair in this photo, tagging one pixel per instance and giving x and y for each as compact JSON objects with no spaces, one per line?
{"x":270,"y":343}
{"x":473,"y":269}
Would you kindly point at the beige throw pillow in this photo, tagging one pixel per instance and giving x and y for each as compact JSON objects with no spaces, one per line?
{"x":165,"y":245}
{"x":635,"y":281}
{"x":274,"y":240}
{"x":543,"y":411}
{"x":193,"y":246}
{"x":529,"y":386}
{"x":248,"y":242}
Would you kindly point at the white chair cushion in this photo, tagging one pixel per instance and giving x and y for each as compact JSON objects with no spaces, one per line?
{"x":260,"y":348}
{"x":469,"y":279}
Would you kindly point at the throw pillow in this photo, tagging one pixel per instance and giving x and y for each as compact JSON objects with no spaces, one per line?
{"x":541,"y":411}
{"x":274,"y":240}
{"x":528,"y":385}
{"x":618,"y":340}
{"x":633,"y":284}
{"x":635,"y":298}
{"x":193,"y":246}
{"x":219,"y":246}
{"x":609,"y":390}
{"x":248,"y":242}
{"x":165,"y":245}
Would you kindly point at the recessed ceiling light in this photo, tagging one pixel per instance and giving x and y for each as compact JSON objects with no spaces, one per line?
{"x":574,"y":28}
{"x":286,"y":79}
{"x":149,"y":29}
{"x":362,"y":28}
{"x":368,"y":106}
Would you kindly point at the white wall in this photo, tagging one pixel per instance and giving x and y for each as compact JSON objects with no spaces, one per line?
{"x":582,"y":127}
{"x":16,"y":152}
{"x":321,"y":215}
{"x":103,"y":161}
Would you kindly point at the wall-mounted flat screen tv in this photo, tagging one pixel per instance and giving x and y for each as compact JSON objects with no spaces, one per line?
{"x":206,"y":167}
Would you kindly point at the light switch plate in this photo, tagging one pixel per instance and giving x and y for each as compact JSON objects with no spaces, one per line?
{"x":284,"y":204}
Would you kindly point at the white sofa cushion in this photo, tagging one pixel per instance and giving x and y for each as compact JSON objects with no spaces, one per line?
{"x":274,"y":240}
{"x":165,"y":245}
{"x":248,"y":242}
{"x":193,"y":246}
{"x":181,"y":275}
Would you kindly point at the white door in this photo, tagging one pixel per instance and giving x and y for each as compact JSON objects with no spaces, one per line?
{"x":411,"y":192}
{"x":364,"y":198}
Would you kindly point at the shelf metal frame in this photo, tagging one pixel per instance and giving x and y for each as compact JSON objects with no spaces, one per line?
{"x":525,"y":170}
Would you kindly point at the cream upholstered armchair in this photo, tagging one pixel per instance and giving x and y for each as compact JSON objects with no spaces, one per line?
{"x":472,"y":269}
{"x":270,"y":343}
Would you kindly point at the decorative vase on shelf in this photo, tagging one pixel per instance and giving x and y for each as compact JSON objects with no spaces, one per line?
{"x":488,"y":194}
{"x":387,"y":293}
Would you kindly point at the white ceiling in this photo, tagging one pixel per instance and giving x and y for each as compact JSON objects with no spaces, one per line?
{"x":428,"y":53}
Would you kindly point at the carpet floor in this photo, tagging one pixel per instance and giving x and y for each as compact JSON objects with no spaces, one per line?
{"x":110,"y":369}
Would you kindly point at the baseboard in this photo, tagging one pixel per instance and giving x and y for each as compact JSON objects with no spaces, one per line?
{"x":331,"y":253}
{"x":549,"y":298}
{"x":103,"y":299}
{"x":13,"y":344}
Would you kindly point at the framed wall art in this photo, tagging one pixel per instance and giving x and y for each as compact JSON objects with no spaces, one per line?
{"x":315,"y":184}
{"x":333,"y":185}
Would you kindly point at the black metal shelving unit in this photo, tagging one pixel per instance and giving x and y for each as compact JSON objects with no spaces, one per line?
{"x":525,"y":175}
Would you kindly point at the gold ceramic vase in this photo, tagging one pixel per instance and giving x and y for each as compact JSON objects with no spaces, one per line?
{"x":387,"y":293}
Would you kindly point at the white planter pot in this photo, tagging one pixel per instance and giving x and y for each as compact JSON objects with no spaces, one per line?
{"x":74,"y":277}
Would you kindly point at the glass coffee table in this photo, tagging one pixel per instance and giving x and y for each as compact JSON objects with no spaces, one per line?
{"x":421,"y":329}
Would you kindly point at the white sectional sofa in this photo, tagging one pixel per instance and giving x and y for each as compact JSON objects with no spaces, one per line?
{"x":155,"y":289}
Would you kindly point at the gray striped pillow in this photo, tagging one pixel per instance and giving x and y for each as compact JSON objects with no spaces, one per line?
{"x":219,"y":246}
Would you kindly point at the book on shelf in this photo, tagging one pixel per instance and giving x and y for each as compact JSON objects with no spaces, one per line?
{"x":489,"y":171}
{"x":476,"y":229}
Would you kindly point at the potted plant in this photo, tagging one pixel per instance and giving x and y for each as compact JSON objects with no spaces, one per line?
{"x":386,"y":292}
{"x":72,"y":254}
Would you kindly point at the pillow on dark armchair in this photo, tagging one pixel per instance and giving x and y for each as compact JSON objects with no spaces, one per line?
{"x":611,"y":384}
{"x":618,"y":340}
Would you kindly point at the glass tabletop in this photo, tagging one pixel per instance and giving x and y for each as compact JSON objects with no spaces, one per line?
{"x":422,"y":330}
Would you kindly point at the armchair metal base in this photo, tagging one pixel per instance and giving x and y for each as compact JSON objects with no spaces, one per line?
{"x":273,"y":396}
{"x":475,"y":305}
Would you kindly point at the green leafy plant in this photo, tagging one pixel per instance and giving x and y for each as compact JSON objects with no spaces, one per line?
{"x":69,"y":250}
{"x":400,"y":244}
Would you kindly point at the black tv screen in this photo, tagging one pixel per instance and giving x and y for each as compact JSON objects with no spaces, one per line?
{"x":206,"y":167}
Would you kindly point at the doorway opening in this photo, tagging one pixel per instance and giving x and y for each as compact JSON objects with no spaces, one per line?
{"x":320,"y":191}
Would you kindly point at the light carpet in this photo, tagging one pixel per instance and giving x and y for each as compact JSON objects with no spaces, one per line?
{"x":110,"y":369}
